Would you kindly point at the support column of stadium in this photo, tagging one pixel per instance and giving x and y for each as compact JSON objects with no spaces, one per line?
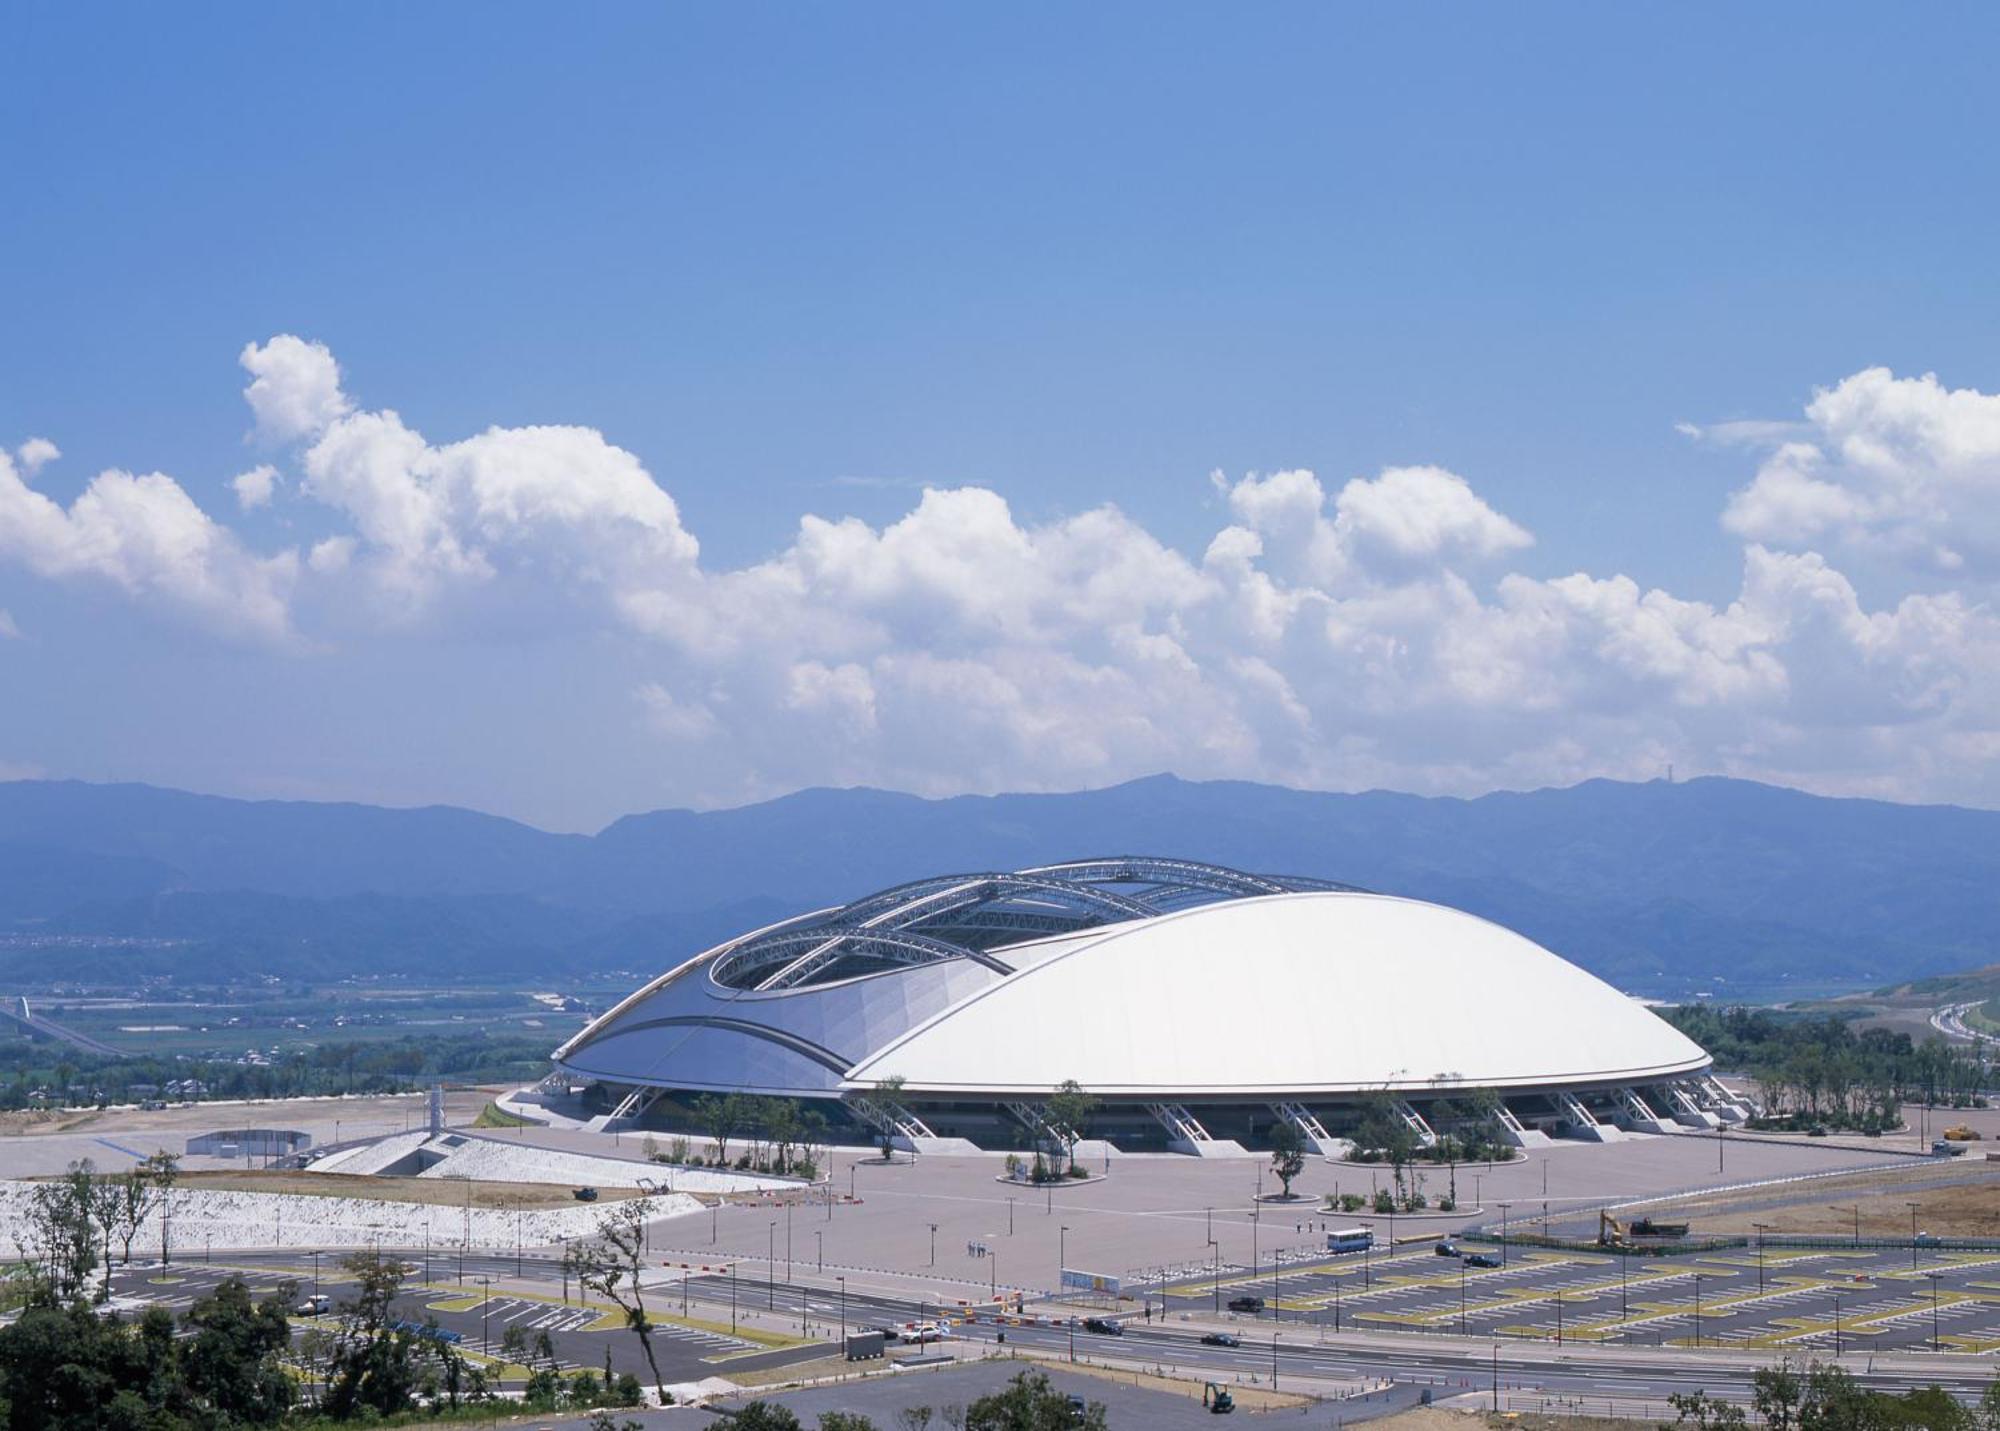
{"x":1637,"y":1114}
{"x":1513,"y":1131}
{"x":903,"y":1127}
{"x":629,"y":1109}
{"x":1719,"y":1100}
{"x":1686,"y":1107}
{"x":1582,"y":1122}
{"x":1310,"y":1128}
{"x":1407,"y":1111}
{"x":1184,"y":1131}
{"x":1041,"y":1128}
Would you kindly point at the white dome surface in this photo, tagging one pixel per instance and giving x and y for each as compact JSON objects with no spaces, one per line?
{"x":1291,"y":993}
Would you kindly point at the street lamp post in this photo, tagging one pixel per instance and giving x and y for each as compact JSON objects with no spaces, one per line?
{"x":933,"y":1227}
{"x":1215,"y":1253}
{"x":1062,"y":1253}
{"x":485,"y":1307}
{"x":1913,"y":1233}
{"x":843,"y":1311}
{"x":1697,"y":1309}
{"x":315,"y":1281}
{"x":1461,"y":1296}
{"x":1504,"y":1205}
{"x":819,"y":1250}
{"x":1934,"y":1308}
{"x":788,"y":1243}
{"x":1559,"y":1317}
{"x":771,"y":1265}
{"x":1762,"y":1228}
{"x":1836,"y":1326}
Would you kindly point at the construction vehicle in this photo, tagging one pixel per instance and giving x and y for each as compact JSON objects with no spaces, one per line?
{"x":1962,"y":1134}
{"x":1613,"y":1233}
{"x":1216,"y":1399}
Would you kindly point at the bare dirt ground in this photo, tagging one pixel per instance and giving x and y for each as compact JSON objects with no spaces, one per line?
{"x":1958,"y":1199}
{"x":27,"y":1121}
{"x":449,"y":1192}
{"x":1250,"y":1398}
{"x":1437,"y":1418}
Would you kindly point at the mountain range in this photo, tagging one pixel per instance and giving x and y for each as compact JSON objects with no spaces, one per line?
{"x":1662,"y":888}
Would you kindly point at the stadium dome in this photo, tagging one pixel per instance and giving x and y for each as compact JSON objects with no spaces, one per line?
{"x":1195,"y":1001}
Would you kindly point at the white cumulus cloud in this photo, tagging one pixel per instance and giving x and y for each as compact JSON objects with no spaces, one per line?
{"x":1383,"y":631}
{"x":1903,"y":469}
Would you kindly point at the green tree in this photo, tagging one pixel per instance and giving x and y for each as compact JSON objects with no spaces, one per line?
{"x":888,"y":1091}
{"x":233,"y":1361}
{"x":1070,"y":1110}
{"x":60,"y":1239}
{"x":609,"y":1264}
{"x":1030,"y":1403}
{"x":764,"y":1416}
{"x":1706,"y":1413}
{"x":1288,"y":1152}
{"x":373,"y":1366}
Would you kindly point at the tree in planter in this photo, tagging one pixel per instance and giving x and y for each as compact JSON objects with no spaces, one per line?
{"x":609,"y":1263}
{"x":888,"y":1091}
{"x":1288,"y":1153}
{"x":1070,"y":1110}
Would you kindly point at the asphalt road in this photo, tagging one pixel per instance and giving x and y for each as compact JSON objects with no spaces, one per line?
{"x":1304,"y":1345}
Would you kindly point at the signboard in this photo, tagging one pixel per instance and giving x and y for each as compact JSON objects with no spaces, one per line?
{"x":1099,"y":1282}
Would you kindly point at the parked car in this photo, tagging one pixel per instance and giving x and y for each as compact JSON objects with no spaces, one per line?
{"x":1446,"y":1247}
{"x":1481,"y":1259}
{"x":1246,"y":1304}
{"x":1222,"y":1339}
{"x":316,"y":1305}
{"x":1104,"y":1326}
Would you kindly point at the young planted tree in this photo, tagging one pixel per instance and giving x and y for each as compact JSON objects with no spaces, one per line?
{"x":1288,"y":1153}
{"x":158,"y":1175}
{"x":1070,"y":1110}
{"x":887,"y":1092}
{"x":60,"y":1239}
{"x":608,"y":1264}
{"x":141,"y":1190}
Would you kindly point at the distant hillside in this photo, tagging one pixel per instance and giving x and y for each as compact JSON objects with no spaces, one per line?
{"x":1661,"y":888}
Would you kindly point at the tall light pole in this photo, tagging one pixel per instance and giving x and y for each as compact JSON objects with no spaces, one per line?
{"x":1836,"y":1326}
{"x":843,"y":1312}
{"x":1062,"y":1253}
{"x":771,"y":1265}
{"x":1215,"y":1252}
{"x":788,"y":1243}
{"x":1697,"y":1309}
{"x":1913,"y":1233}
{"x":485,"y":1307}
{"x":1504,"y":1205}
{"x":819,"y":1250}
{"x":1461,"y":1296}
{"x":1934,"y":1308}
{"x":1762,"y":1228}
{"x":1856,"y":1210}
{"x":933,"y":1227}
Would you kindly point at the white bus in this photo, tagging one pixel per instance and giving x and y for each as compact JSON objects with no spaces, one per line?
{"x":1350,"y":1239}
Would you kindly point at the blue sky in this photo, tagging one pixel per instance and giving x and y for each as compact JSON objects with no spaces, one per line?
{"x":812,"y":260}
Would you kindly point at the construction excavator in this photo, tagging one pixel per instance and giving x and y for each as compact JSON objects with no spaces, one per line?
{"x":1216,"y":1399}
{"x":1613,"y":1233}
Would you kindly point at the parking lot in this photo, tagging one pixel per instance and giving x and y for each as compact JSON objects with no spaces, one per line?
{"x":480,"y":1317}
{"x":1783,"y":1298}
